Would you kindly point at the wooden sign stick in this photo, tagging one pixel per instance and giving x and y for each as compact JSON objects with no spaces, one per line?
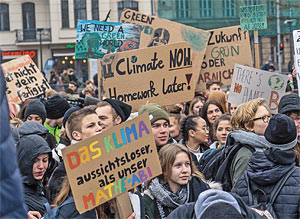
{"x":256,"y":49}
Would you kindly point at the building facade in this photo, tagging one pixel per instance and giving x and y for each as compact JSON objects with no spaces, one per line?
{"x":211,"y":14}
{"x":24,"y":23}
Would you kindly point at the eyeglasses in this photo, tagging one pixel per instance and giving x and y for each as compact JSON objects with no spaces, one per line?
{"x":265,"y":119}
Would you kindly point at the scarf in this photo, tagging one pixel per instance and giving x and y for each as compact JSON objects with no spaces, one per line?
{"x":165,"y":198}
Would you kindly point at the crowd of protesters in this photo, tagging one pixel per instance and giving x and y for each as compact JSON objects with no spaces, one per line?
{"x":186,"y":136}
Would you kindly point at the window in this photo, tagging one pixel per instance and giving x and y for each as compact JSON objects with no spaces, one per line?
{"x":127,"y":4}
{"x":64,"y":14}
{"x":251,"y":2}
{"x":229,"y":8}
{"x":95,"y":10}
{"x":182,"y":8}
{"x":28,"y":15}
{"x":4,"y":17}
{"x":205,"y":8}
{"x":271,"y":8}
{"x":79,"y":11}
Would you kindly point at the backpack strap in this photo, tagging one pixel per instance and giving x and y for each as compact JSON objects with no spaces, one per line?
{"x":277,"y":188}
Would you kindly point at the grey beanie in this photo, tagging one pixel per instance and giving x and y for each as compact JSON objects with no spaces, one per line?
{"x":211,"y":197}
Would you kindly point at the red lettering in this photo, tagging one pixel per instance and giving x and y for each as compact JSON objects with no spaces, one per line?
{"x":76,"y":155}
{"x":274,"y":100}
{"x":87,"y":199}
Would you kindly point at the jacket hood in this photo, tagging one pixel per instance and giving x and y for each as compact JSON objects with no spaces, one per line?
{"x":30,"y":127}
{"x":269,"y":166}
{"x":28,"y":149}
{"x":250,"y":138}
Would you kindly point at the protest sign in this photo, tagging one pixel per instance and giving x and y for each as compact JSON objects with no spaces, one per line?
{"x":112,"y":162}
{"x":251,"y":83}
{"x":157,"y":31}
{"x":253,"y":17}
{"x":296,"y":35}
{"x":226,"y":47}
{"x":23,"y":79}
{"x":94,"y":39}
{"x":161,"y":74}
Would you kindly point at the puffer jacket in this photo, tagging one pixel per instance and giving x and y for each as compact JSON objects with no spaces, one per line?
{"x":28,"y":149}
{"x":265,"y":169}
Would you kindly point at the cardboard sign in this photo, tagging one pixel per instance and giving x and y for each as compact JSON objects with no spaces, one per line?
{"x":296,"y":35}
{"x":162,"y":75}
{"x":23,"y":79}
{"x":94,"y":39}
{"x":226,"y":47}
{"x":157,"y":31}
{"x":251,"y":83}
{"x":253,"y":17}
{"x":112,"y":162}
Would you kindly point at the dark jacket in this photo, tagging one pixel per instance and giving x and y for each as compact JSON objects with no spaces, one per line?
{"x":196,"y":186}
{"x":31,"y":128}
{"x":11,"y":191}
{"x":28,"y":149}
{"x":265,"y":169}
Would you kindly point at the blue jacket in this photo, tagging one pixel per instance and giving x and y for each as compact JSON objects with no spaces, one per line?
{"x":11,"y":192}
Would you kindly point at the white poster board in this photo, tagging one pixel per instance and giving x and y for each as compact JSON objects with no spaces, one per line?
{"x":251,"y":83}
{"x":296,"y":35}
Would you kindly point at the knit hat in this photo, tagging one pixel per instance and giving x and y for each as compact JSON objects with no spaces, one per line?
{"x":56,"y":106}
{"x":155,"y":112}
{"x":68,"y":114}
{"x":217,"y":204}
{"x":121,"y":108}
{"x":35,"y":107}
{"x":281,"y":132}
{"x":290,"y":102}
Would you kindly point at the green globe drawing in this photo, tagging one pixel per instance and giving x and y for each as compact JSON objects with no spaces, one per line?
{"x":276,"y":82}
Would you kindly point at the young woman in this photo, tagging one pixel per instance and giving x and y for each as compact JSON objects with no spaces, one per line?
{"x":210,"y":112}
{"x":33,"y":157}
{"x":195,"y":136}
{"x":221,"y":128}
{"x":180,"y":182}
{"x":196,"y":106}
{"x":219,"y":97}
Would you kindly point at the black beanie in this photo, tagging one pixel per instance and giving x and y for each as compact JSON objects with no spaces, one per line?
{"x":121,"y":108}
{"x":56,"y":106}
{"x":68,"y":114}
{"x":35,"y":107}
{"x":290,"y":102}
{"x":221,"y":210}
{"x":281,"y":132}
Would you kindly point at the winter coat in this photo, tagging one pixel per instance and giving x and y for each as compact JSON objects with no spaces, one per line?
{"x":265,"y":169}
{"x":31,"y":128}
{"x":196,"y":186}
{"x":28,"y":149}
{"x":11,"y":191}
{"x":241,"y":159}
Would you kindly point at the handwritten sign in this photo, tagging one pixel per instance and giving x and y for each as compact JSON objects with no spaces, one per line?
{"x":296,"y":35}
{"x":251,"y":83}
{"x":23,"y":79}
{"x":253,"y":17}
{"x":94,"y":39}
{"x":112,"y":162}
{"x":162,"y":75}
{"x":157,"y":31}
{"x":226,"y":47}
